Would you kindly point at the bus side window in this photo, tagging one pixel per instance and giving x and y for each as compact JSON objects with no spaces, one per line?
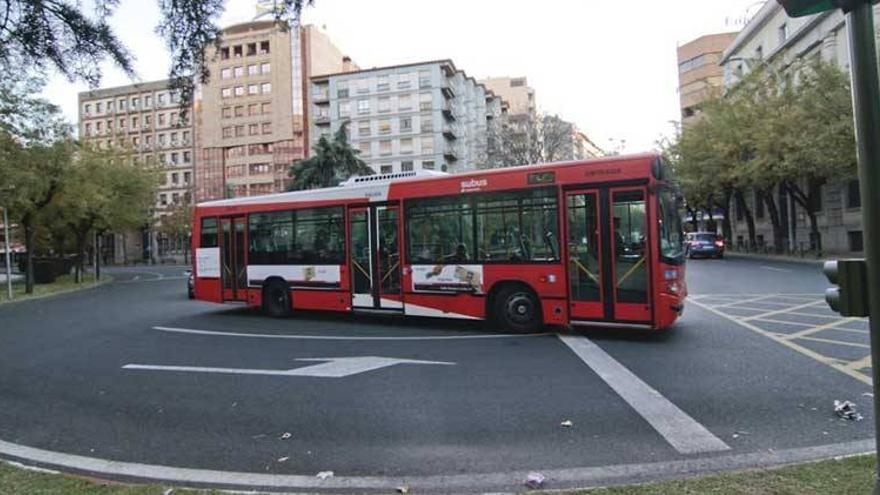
{"x":208,"y":233}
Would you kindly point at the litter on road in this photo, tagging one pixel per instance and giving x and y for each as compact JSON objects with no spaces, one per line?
{"x":535,"y":480}
{"x":285,"y":435}
{"x":567,"y":423}
{"x":283,"y":459}
{"x":403,"y":489}
{"x":323,"y":475}
{"x":847,"y":410}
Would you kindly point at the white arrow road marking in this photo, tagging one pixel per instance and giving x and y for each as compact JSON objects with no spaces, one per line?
{"x":684,"y":433}
{"x":332,"y":368}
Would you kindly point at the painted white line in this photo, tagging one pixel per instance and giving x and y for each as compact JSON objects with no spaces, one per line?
{"x":193,"y":331}
{"x":834,"y":363}
{"x":684,"y":433}
{"x":773,"y":268}
{"x":333,"y":368}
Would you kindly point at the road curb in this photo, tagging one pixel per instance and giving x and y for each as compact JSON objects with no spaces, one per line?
{"x":106,"y":280}
{"x":770,"y":257}
{"x":570,"y":478}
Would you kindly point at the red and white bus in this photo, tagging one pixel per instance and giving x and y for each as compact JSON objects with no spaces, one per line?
{"x":596,"y":242}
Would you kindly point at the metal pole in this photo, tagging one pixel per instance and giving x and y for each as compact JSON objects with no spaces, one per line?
{"x":8,"y":253}
{"x":866,"y":109}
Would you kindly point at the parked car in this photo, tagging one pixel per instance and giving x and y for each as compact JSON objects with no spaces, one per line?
{"x":704,"y":244}
{"x":190,"y":284}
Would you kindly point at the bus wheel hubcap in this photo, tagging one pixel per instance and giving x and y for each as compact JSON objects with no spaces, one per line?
{"x":520,"y":308}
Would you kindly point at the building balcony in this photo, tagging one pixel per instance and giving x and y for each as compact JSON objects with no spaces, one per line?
{"x":449,"y":132}
{"x":322,"y":119}
{"x":450,"y":155}
{"x":447,"y":91}
{"x":448,"y":113}
{"x":321,"y":97}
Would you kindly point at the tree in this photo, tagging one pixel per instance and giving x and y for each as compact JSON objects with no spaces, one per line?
{"x":527,"y":139}
{"x":104,"y":191}
{"x":333,"y":161}
{"x":177,"y":225}
{"x":59,"y":34}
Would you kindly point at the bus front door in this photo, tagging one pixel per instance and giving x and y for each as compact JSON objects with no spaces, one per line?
{"x":374,"y":259}
{"x":608,"y":267}
{"x":233,"y":266}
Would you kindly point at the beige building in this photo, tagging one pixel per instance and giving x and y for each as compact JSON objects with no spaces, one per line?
{"x":699,"y":74}
{"x":253,"y":114}
{"x":516,"y":92}
{"x":144,"y":118}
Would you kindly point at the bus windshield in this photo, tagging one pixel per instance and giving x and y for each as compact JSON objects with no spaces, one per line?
{"x":671,"y":242}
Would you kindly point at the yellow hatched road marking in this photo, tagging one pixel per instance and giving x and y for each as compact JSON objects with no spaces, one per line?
{"x":817,"y":329}
{"x":831,"y":362}
{"x":865,"y":362}
{"x":780,"y":311}
{"x":835,"y":342}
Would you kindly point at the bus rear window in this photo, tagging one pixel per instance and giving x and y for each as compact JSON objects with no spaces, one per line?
{"x":208,"y":233}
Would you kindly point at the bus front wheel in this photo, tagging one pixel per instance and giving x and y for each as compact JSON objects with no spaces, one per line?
{"x":518,"y":310}
{"x":276,"y":299}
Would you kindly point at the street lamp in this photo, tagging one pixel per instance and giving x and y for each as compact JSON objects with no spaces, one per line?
{"x":6,"y":243}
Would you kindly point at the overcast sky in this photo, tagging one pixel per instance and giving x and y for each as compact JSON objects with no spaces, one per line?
{"x":608,"y":66}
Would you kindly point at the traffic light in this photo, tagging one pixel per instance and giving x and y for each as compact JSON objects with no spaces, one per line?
{"x":799,"y":8}
{"x":850,"y":297}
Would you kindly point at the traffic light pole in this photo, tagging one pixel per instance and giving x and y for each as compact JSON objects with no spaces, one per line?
{"x":866,"y":104}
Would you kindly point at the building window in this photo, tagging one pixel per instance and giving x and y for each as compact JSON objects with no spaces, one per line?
{"x":239,"y":91}
{"x":341,"y":90}
{"x":406,"y":166}
{"x":266,"y":108}
{"x":161,"y":140}
{"x":99,"y":107}
{"x":382,"y":84}
{"x":427,"y":124}
{"x":174,"y":177}
{"x":226,"y":92}
{"x":364,"y":148}
{"x":384,"y":105}
{"x":344,"y":108}
{"x":175,"y":158}
{"x":87,"y":109}
{"x":428,"y":145}
{"x":253,"y":89}
{"x":253,"y":129}
{"x":424,"y":79}
{"x":148,"y":121}
{"x":783,"y":33}
{"x":99,"y":127}
{"x":237,"y":51}
{"x":160,"y":99}
{"x":224,"y":53}
{"x":264,"y":47}
{"x":135,"y":102}
{"x":239,"y":131}
{"x":385,"y":126}
{"x":239,"y":111}
{"x":148,"y":101}
{"x":363,"y":128}
{"x":122,"y":105}
{"x":253,"y":109}
{"x":385,"y":147}
{"x":386,"y":169}
{"x":405,"y":124}
{"x":265,"y":68}
{"x":185,"y":137}
{"x":160,"y":120}
{"x":109,"y":106}
{"x":267,"y":88}
{"x":227,"y":112}
{"x":186,"y":177}
{"x":404,"y":102}
{"x":853,"y":195}
{"x":163,"y":199}
{"x":404,"y":81}
{"x":856,"y":241}
{"x":425,"y":101}
{"x":267,"y":127}
{"x":363,"y":86}
{"x":363,"y":106}
{"x":428,"y":165}
{"x":227,"y":132}
{"x":406,"y":146}
{"x":186,"y":158}
{"x":759,"y":52}
{"x":816,"y":197}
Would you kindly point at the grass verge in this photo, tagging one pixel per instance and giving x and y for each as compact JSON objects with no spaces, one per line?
{"x":64,"y":283}
{"x":849,"y":476}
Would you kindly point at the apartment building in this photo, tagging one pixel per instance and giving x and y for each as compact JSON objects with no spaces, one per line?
{"x":252,"y":113}
{"x":516,"y":92}
{"x":143,"y":118}
{"x":699,"y":74}
{"x":418,"y":116}
{"x":773,"y":39}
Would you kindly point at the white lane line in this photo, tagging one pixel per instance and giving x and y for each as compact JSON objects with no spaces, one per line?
{"x":773,"y":268}
{"x":193,"y":331}
{"x":684,"y":433}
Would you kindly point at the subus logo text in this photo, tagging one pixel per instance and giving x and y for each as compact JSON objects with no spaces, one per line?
{"x":474,"y":183}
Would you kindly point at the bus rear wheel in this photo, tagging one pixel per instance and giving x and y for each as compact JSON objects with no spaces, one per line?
{"x":276,"y":299}
{"x":518,"y":310}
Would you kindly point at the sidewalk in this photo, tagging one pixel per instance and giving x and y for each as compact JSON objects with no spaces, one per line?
{"x":808,"y":259}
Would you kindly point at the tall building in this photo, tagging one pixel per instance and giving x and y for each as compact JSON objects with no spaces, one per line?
{"x":253,"y":113}
{"x":419,"y":116}
{"x":774,"y":40}
{"x":699,"y":74}
{"x":144,"y":118}
{"x":516,"y":92}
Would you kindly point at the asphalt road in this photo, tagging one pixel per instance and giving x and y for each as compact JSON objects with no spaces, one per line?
{"x":749,"y":375}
